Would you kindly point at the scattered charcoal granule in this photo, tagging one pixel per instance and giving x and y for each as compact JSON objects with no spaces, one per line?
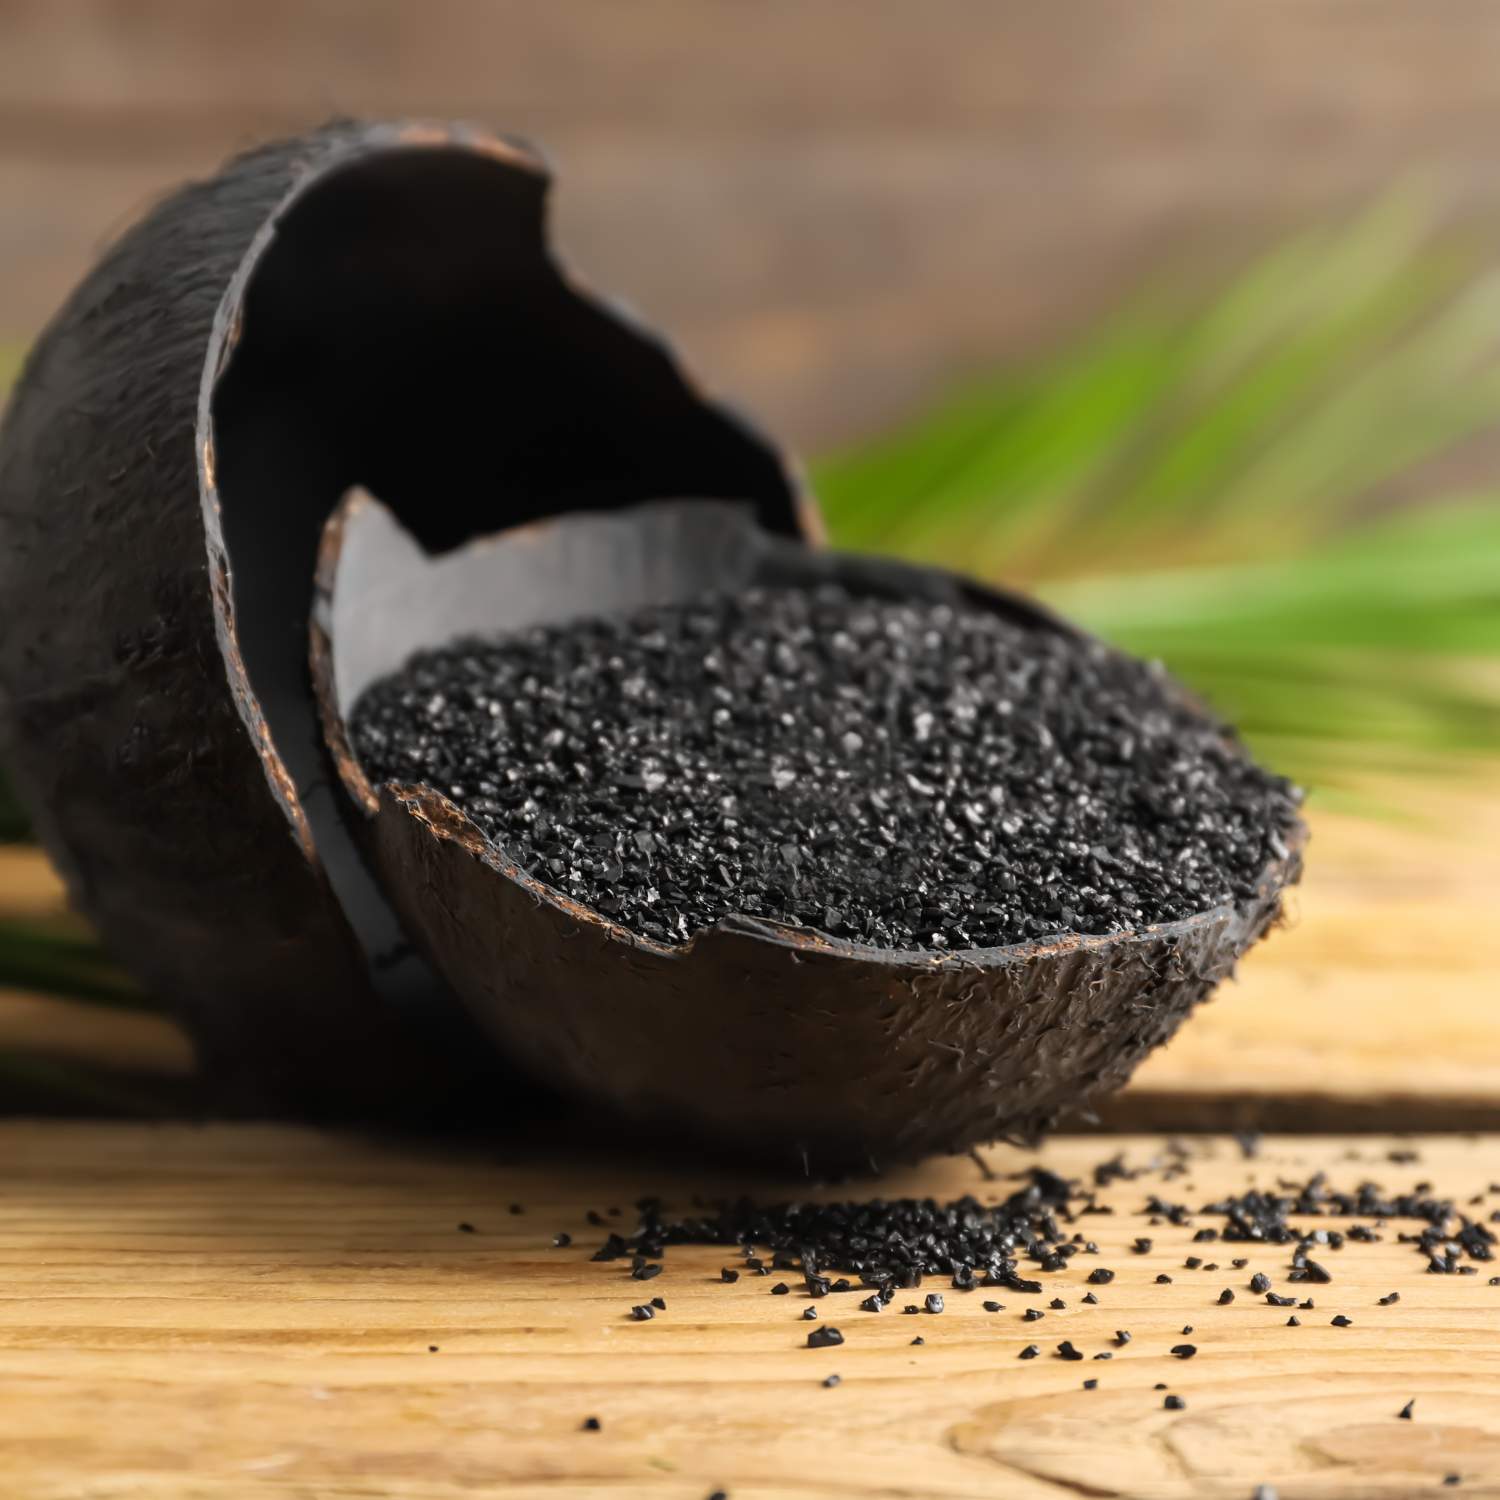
{"x":1240,"y":1264}
{"x":1205,"y":1236}
{"x":1192,"y":1263}
{"x":994,"y":1307}
{"x":1032,"y":1314}
{"x":1406,"y":1411}
{"x":824,"y":1338}
{"x":659,"y":1303}
{"x":1389,"y":1298}
{"x":1175,"y":1403}
{"x":910,"y":1308}
{"x":1100,"y":1277}
{"x":829,"y":1381}
{"x":724,"y":1495}
{"x":1029,"y":1352}
{"x":813,"y":757}
{"x":729,"y":1274}
{"x":516,"y":1208}
{"x":642,"y":1312}
{"x":1277,"y":1301}
{"x":646,"y":1272}
{"x":1294,"y":1321}
{"x":781,"y":1289}
{"x":1260,"y":1282}
{"x":1122,"y":1337}
{"x":1091,"y":1385}
{"x":1495,"y":1280}
{"x":1340,"y":1321}
{"x":1306,"y":1304}
{"x":467,"y":1229}
{"x":432,"y":1348}
{"x":561,"y":1240}
{"x":963,"y":1279}
{"x":1057,"y":1304}
{"x":1142,"y":1246}
{"x":592,"y":1424}
{"x":1187,"y":1328}
{"x":1163,"y":1279}
{"x":843,"y":1284}
{"x":872,"y":1303}
{"x":1160,"y":1385}
{"x":934,"y":1302}
{"x":1264,"y":1492}
{"x":1065,"y":1350}
{"x":919,"y":1340}
{"x":753,"y":1263}
{"x":1304,"y":1269}
{"x":809,"y":1315}
{"x":1213,"y":1265}
{"x":1183,"y":1351}
{"x":1226,"y":1297}
{"x":1452,"y":1479}
{"x":1104,"y":1354}
{"x":1091,"y":1298}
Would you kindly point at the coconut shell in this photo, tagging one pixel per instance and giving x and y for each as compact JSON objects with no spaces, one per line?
{"x":754,"y":1036}
{"x":368,"y":304}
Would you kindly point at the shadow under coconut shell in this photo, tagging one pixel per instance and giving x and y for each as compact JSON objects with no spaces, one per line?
{"x":760,"y":1038}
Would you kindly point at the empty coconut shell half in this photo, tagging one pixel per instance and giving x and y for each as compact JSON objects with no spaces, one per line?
{"x":370,"y":304}
{"x":757,"y":1036}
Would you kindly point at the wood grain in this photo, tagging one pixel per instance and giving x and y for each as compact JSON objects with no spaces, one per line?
{"x":245,"y":1312}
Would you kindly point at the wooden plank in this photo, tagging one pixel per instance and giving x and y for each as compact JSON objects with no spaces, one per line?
{"x":243,"y":1312}
{"x":835,"y":207}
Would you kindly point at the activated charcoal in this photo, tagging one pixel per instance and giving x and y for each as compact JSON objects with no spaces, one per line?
{"x":909,"y":775}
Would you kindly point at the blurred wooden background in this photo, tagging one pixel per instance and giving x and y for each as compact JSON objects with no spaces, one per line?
{"x":832,"y":204}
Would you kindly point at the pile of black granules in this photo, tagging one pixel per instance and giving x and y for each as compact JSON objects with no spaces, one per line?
{"x":908,"y":775}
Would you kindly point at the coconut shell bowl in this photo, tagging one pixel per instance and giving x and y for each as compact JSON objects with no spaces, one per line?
{"x":197,"y":581}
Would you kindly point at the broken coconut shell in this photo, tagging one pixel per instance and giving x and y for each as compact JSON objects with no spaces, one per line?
{"x":758,"y":1036}
{"x":372,"y":303}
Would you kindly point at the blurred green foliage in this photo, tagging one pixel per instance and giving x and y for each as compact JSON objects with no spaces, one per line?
{"x":1237,"y":488}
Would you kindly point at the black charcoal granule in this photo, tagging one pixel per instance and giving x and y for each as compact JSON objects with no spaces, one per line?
{"x":1174,"y":1403}
{"x":1091,"y":1385}
{"x":1164,"y":1279}
{"x":824,"y":1338}
{"x":1184,"y":1351}
{"x":562,"y":1240}
{"x":1032,"y":1314}
{"x":905,"y":774}
{"x":1065,"y":1350}
{"x":1057,"y":1304}
{"x":1122,"y":1337}
{"x":809,"y":1315}
{"x":1294,"y":1321}
{"x":919,"y":1340}
{"x":1090,"y":1298}
{"x":1142,"y":1246}
{"x":643,"y":1312}
{"x":1029,"y":1352}
{"x":592,"y":1424}
{"x":934,"y":1302}
{"x":645,"y":1272}
{"x":659,"y":1303}
{"x":993,"y":1307}
{"x":1389,"y":1298}
{"x":781,"y":1289}
{"x":1340,"y":1321}
{"x":829,"y":1381}
{"x":1260,"y":1282}
{"x":1100,"y":1277}
{"x":1406,"y":1411}
{"x":1276,"y":1301}
{"x":1226,"y":1297}
{"x":872,"y":1303}
{"x":729,"y":1274}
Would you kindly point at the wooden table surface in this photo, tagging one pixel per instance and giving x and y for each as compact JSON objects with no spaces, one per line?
{"x":237,"y":1312}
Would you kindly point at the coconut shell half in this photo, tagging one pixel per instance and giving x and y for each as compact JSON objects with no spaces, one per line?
{"x":370,"y":304}
{"x":758,"y":1037}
